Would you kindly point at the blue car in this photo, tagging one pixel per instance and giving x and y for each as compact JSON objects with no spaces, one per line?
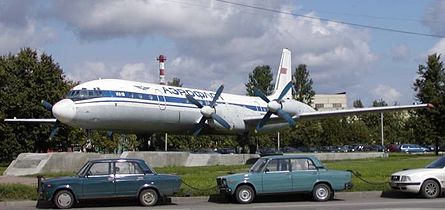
{"x":412,"y":148}
{"x":285,"y":174}
{"x":109,"y":178}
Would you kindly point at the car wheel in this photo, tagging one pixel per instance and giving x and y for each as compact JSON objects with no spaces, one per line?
{"x":63,"y":199}
{"x":322,"y":192}
{"x":148,"y":197}
{"x":430,"y":189}
{"x":244,"y":194}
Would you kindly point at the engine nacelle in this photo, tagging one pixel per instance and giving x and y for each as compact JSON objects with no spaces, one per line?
{"x":234,"y":115}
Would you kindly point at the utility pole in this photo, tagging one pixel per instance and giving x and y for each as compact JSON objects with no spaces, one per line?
{"x":381,"y":131}
{"x":165,"y":142}
{"x":278,"y":138}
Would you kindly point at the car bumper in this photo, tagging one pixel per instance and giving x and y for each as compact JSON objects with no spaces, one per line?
{"x":224,"y":190}
{"x":349,"y":185}
{"x":413,"y":187}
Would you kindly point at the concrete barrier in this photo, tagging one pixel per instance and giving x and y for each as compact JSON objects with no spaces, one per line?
{"x":38,"y":163}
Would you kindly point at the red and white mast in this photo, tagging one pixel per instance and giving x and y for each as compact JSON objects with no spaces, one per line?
{"x":161,"y":60}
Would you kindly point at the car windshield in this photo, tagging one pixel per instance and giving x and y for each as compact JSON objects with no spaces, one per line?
{"x":439,"y":163}
{"x":82,"y":170}
{"x":259,"y":164}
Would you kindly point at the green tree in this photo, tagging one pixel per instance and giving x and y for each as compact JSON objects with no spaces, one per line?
{"x":430,"y":88}
{"x":303,"y":85}
{"x":357,"y":104}
{"x":175,"y":82}
{"x":261,"y":77}
{"x":25,"y":79}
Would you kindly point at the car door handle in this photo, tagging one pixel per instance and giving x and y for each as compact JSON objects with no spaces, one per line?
{"x":140,"y":178}
{"x":111,"y":179}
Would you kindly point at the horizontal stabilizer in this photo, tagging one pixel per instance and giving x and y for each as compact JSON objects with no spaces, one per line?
{"x":16,"y":120}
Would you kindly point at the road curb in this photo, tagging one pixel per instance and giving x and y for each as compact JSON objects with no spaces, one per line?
{"x":338,"y":195}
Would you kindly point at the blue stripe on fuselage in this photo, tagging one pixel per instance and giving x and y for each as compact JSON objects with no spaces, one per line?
{"x":152,"y":99}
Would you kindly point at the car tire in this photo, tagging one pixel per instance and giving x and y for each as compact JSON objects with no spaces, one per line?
{"x":430,"y":189}
{"x":63,"y":199}
{"x":148,"y":197}
{"x":244,"y":194}
{"x":322,"y":192}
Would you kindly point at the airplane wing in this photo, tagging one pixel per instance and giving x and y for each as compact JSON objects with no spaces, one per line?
{"x":16,"y":120}
{"x":345,"y":112}
{"x":253,"y":121}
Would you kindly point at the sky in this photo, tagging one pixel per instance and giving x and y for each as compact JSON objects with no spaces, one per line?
{"x":209,"y":43}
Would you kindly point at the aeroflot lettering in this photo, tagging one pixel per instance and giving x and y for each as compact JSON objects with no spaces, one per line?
{"x":194,"y":93}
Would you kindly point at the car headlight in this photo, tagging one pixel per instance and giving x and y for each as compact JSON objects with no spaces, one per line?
{"x":405,"y":178}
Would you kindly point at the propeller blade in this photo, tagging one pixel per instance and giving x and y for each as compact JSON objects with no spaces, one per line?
{"x":54,"y":130}
{"x":218,"y":93}
{"x":199,"y":126}
{"x":287,"y":117}
{"x":263,"y":121}
{"x":47,"y":105}
{"x":260,"y":94}
{"x":194,"y":101}
{"x":220,"y":120}
{"x":285,"y":90}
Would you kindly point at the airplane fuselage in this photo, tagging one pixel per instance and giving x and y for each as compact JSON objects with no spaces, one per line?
{"x":121,"y":105}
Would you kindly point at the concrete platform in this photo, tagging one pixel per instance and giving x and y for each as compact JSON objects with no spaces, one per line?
{"x":38,"y":163}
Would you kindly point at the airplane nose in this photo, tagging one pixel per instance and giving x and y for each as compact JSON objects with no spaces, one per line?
{"x":64,"y":110}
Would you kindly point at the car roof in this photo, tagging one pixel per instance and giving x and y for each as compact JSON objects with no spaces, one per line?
{"x":116,"y":159}
{"x":289,"y":156}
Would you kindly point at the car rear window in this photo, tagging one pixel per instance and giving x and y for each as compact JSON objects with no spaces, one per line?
{"x":439,"y":163}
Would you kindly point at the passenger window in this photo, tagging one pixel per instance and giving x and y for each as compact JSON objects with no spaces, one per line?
{"x":99,"y":169}
{"x":127,"y":168}
{"x":83,"y":92}
{"x":278,"y":165}
{"x":302,"y":164}
{"x":284,"y":165}
{"x":272,"y":165}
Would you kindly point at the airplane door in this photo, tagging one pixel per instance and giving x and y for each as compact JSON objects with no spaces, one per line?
{"x":161,"y":99}
{"x":168,"y":115}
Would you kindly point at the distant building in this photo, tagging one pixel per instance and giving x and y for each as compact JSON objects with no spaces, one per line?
{"x":326,"y":102}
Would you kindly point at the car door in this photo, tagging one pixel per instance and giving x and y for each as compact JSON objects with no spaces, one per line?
{"x":98,"y":181}
{"x":276,"y":176}
{"x":304,"y":174}
{"x":129,"y":177}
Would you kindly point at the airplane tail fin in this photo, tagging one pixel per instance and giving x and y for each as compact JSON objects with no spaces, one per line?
{"x":284,"y":74}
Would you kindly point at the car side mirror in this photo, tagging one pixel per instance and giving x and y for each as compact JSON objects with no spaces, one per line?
{"x":267,"y":170}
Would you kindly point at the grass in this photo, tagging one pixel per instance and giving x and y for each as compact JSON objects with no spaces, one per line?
{"x":3,"y":167}
{"x":17,"y":192}
{"x":202,"y":180}
{"x":378,"y":170}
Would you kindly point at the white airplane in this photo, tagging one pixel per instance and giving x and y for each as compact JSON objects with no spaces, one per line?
{"x":138,"y":107}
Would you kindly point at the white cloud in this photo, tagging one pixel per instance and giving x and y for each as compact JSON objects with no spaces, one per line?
{"x":434,"y":17}
{"x":31,"y":35}
{"x":389,"y":94}
{"x":218,"y":41}
{"x":91,"y":70}
{"x":439,"y":48}
{"x":19,"y":27}
{"x":136,"y":72}
{"x":95,"y":70}
{"x":400,"y":52}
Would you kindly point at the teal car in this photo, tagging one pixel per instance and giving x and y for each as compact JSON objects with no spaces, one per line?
{"x":285,"y":174}
{"x":109,"y":178}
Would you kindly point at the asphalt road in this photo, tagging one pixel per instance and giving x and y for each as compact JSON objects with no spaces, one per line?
{"x":355,"y":200}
